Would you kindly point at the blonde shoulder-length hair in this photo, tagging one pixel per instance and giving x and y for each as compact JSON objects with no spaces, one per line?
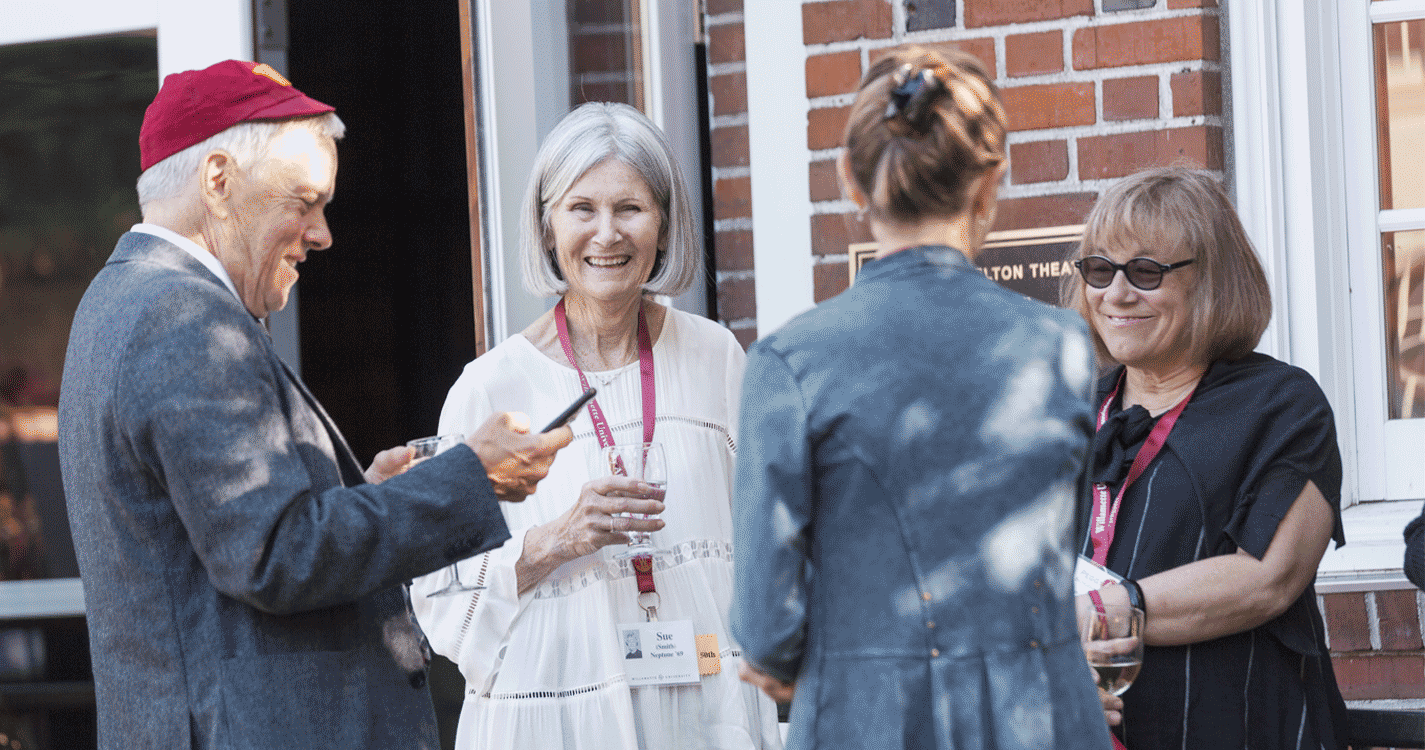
{"x":1173,"y":208}
{"x":586,"y":136}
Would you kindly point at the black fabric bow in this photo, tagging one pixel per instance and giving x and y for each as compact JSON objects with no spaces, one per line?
{"x":1117,"y":442}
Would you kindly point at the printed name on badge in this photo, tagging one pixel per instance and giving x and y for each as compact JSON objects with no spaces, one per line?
{"x":659,"y":653}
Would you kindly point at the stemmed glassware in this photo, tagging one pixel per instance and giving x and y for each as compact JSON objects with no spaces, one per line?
{"x":423,"y":449}
{"x":1112,"y":637}
{"x":645,"y":462}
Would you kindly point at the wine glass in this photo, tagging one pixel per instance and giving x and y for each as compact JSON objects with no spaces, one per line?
{"x":421,"y":450}
{"x":1112,"y":637}
{"x":645,"y":462}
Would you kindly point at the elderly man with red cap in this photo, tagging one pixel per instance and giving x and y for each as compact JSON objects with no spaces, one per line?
{"x":242,"y":574}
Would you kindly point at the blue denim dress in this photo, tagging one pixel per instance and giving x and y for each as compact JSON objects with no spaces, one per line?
{"x":908,"y":460}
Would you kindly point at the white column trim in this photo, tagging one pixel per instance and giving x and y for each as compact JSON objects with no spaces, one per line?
{"x":777,"y":109}
{"x":194,"y":34}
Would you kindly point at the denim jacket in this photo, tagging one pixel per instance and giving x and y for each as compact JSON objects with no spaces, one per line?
{"x":905,"y":498}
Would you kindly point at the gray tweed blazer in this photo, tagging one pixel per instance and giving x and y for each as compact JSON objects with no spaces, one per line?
{"x":243,"y":585}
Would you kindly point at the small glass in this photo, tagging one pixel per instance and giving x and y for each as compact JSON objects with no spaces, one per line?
{"x":1113,"y":643}
{"x":645,"y":462}
{"x":425,"y":448}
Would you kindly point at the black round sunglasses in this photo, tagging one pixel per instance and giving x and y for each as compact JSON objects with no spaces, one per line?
{"x":1143,"y":273}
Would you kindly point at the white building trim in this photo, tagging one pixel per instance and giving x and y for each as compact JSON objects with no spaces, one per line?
{"x":777,"y":108}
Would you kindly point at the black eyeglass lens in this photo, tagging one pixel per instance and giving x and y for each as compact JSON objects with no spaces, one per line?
{"x":1144,"y":274}
{"x":1098,"y":272}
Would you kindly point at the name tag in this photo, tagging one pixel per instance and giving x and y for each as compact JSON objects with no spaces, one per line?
{"x":1090,"y":576}
{"x":659,"y":653}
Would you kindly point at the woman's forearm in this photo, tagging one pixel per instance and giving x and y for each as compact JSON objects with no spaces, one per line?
{"x":1233,"y":593}
{"x":538,"y":559}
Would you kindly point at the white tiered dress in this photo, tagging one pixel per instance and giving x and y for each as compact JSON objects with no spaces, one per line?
{"x":545,"y":670}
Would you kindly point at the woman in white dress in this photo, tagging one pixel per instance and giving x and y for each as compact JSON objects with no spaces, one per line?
{"x":605,"y":225}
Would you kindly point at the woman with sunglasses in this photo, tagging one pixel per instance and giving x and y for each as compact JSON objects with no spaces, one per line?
{"x":1215,"y":476}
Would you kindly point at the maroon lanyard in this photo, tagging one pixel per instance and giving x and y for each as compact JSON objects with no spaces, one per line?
{"x":1105,"y":517}
{"x":642,"y":564}
{"x":645,"y":372}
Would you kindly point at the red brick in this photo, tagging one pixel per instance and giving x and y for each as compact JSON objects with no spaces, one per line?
{"x":1346,"y":622}
{"x":1050,"y":105}
{"x":745,"y":336}
{"x":824,"y":127}
{"x":832,"y":234}
{"x":1133,"y":98}
{"x":725,"y":43}
{"x":737,"y":299}
{"x":1399,"y":617}
{"x":718,"y":7}
{"x":732,"y":250}
{"x":730,"y":147}
{"x":1197,"y":92}
{"x":1000,"y":12}
{"x":729,"y":93}
{"x":1044,"y":211}
{"x":845,"y":20}
{"x":1040,"y":161}
{"x":732,"y":198}
{"x":836,"y":73}
{"x":1108,"y":156}
{"x":829,"y":280}
{"x":982,"y":49}
{"x":599,"y":52}
{"x":824,"y":183}
{"x":1380,"y":676}
{"x":1032,"y":54}
{"x":1146,"y":42}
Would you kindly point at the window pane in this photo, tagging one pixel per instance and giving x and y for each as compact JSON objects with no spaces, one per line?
{"x":1400,"y":112}
{"x":606,"y":52}
{"x":1403,"y":259}
{"x":69,"y":123}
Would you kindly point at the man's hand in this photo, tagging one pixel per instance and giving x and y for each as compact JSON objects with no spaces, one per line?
{"x":389,"y":463}
{"x":777,"y":690}
{"x":515,"y":460}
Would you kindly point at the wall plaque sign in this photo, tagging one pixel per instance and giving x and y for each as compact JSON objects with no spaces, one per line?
{"x":1032,"y":262}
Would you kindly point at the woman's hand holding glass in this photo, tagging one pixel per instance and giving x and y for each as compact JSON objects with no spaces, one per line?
{"x":601,"y":516}
{"x":1112,"y":636}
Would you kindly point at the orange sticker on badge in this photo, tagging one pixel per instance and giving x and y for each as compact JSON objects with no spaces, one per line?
{"x":709,"y":660}
{"x":263,"y":69}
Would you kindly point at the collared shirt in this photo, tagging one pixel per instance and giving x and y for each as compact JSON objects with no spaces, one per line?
{"x":193,"y":249}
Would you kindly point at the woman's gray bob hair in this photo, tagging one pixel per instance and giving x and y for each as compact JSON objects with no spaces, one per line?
{"x":586,"y":136}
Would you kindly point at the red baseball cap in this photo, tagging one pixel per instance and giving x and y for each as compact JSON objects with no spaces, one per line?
{"x":196,"y":105}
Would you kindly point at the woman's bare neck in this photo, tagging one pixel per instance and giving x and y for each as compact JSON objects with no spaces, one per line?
{"x":1158,"y":390}
{"x":604,"y":335}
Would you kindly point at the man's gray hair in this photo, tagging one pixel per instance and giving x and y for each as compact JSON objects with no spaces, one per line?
{"x":585,"y":137}
{"x":248,"y":142}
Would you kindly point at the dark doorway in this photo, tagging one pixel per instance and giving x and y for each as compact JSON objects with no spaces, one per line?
{"x":386,"y":315}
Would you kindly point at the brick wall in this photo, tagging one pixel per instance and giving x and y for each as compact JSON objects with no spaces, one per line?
{"x":1091,"y":95}
{"x":731,"y":174}
{"x":1376,"y":645}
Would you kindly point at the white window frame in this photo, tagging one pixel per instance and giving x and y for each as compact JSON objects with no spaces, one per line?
{"x":190,"y":34}
{"x":1304,"y":178}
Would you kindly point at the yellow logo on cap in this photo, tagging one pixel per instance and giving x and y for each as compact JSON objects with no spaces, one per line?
{"x":263,"y":69}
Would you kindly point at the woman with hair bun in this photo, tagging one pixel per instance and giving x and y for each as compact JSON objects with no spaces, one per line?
{"x":905,"y":490}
